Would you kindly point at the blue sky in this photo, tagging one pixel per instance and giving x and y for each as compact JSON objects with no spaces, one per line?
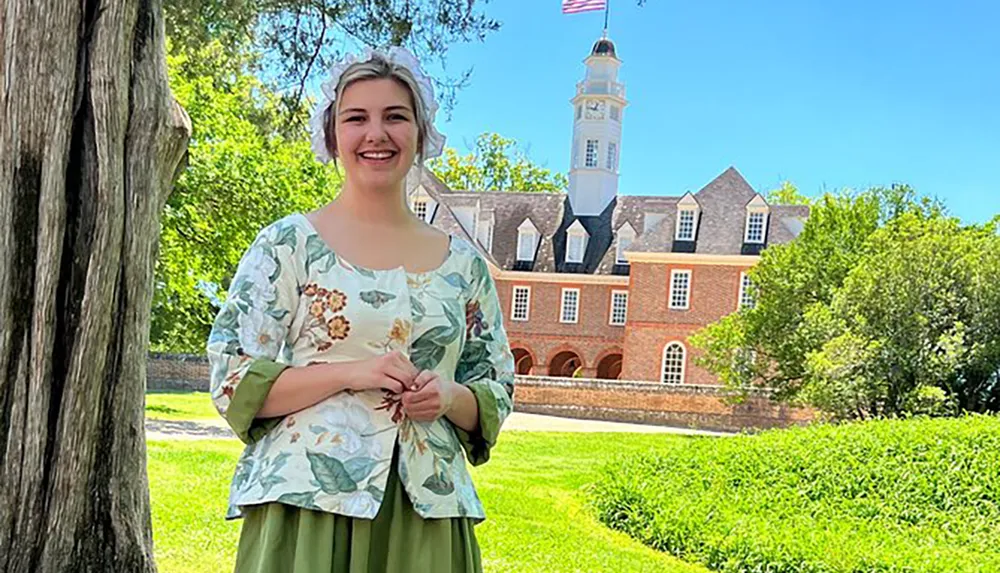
{"x":825,"y":94}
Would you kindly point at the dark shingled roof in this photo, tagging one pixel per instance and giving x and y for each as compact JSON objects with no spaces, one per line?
{"x":720,"y":230}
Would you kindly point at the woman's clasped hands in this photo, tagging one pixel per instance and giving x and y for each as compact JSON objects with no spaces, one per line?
{"x":425,"y":396}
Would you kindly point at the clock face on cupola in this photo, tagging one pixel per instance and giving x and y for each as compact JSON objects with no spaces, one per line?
{"x":594,"y":109}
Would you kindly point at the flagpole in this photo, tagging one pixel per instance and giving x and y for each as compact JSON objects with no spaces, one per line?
{"x":607,"y":9}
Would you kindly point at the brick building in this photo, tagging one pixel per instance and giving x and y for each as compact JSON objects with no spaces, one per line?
{"x":599,"y":285}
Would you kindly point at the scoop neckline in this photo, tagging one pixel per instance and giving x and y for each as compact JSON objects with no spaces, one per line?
{"x":448,"y":256}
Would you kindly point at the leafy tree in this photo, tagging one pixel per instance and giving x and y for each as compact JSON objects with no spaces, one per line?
{"x":496,"y":164}
{"x":912,"y":327}
{"x":299,"y":39}
{"x":787,"y":194}
{"x":242,"y":174}
{"x":776,"y":343}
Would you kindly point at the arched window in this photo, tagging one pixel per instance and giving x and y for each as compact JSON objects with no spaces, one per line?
{"x":673,"y":363}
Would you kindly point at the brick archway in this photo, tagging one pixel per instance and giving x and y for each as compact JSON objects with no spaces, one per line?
{"x":565,"y":364}
{"x":609,"y":367}
{"x":524,"y":360}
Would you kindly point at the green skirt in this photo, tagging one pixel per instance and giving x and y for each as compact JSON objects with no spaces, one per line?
{"x":278,"y":538}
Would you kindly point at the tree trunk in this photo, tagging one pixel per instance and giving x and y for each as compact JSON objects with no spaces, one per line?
{"x":90,"y":143}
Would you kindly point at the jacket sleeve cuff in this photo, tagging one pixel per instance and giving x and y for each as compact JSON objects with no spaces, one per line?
{"x":477,"y":444}
{"x":248,"y":398}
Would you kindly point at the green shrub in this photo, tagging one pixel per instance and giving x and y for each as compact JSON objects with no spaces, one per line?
{"x":883,"y":496}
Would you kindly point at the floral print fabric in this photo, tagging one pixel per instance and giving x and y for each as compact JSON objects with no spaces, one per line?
{"x":295,"y":302}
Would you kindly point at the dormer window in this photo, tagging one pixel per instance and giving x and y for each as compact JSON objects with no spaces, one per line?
{"x":685,"y":224}
{"x":687,"y":218}
{"x":576,"y":243}
{"x":527,"y":241}
{"x":756,"y":226}
{"x":420,"y":209}
{"x":422,"y":204}
{"x":626,"y":234}
{"x":484,"y":233}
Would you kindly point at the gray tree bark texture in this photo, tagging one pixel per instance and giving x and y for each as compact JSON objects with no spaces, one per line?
{"x":91,"y":141}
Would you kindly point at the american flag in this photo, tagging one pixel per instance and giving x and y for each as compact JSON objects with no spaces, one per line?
{"x":575,"y":6}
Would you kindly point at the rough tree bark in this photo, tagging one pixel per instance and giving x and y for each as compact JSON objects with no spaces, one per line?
{"x":90,"y":143}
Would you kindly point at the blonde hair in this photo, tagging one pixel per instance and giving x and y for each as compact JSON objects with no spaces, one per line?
{"x":377,"y":68}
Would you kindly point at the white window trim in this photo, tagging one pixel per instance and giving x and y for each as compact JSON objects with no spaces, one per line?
{"x":620,"y":252}
{"x":513,"y":303}
{"x":694,"y":225}
{"x":673,"y":278}
{"x":562,"y":306}
{"x":627,"y":232}
{"x":611,"y":310}
{"x":612,"y":156}
{"x":583,"y":248}
{"x":663,"y":363}
{"x":763,"y":230}
{"x":525,"y":235}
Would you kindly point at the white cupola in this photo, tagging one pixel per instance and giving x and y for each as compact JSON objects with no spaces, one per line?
{"x":598,"y":109}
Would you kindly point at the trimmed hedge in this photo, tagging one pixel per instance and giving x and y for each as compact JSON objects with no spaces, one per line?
{"x":881,"y":496}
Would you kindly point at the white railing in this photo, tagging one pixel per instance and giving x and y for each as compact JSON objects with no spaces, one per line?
{"x":600,"y":88}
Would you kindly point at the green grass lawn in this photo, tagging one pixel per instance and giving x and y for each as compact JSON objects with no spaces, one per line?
{"x":195,"y":406}
{"x":534,"y":490}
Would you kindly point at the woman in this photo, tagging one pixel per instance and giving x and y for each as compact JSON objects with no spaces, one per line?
{"x":361,"y":356}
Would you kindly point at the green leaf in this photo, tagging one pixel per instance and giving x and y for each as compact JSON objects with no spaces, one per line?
{"x":365,"y":272}
{"x":286,"y":236}
{"x":427,"y":355}
{"x":359,"y":468}
{"x":444,"y":450}
{"x":439,"y":484}
{"x":375,"y":492}
{"x":467,"y":371}
{"x":331,"y":474}
{"x":376,"y":298}
{"x":456,"y":280}
{"x":455,"y":314}
{"x":418,"y":309}
{"x":270,"y":481}
{"x":316,"y":249}
{"x":305,"y":499}
{"x":439,"y":335}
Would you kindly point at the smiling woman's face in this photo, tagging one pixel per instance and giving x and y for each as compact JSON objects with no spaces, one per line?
{"x":376,"y":132}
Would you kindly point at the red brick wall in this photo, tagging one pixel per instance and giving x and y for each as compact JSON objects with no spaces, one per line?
{"x":685,"y":406}
{"x":652,"y":324}
{"x":544,"y":336}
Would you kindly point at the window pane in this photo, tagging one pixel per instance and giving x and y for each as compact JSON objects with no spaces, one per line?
{"x":591,"y":156}
{"x":623,"y":245}
{"x":679,"y":289}
{"x":420,"y":210}
{"x":685,"y":225}
{"x":521,"y":303}
{"x":746,"y":292}
{"x":525,"y":246}
{"x":612,"y":155}
{"x":570,"y":303}
{"x":619,"y":307}
{"x":673,"y":364}
{"x":755,"y":227}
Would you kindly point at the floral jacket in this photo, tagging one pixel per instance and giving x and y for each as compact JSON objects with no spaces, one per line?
{"x":294,"y":302}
